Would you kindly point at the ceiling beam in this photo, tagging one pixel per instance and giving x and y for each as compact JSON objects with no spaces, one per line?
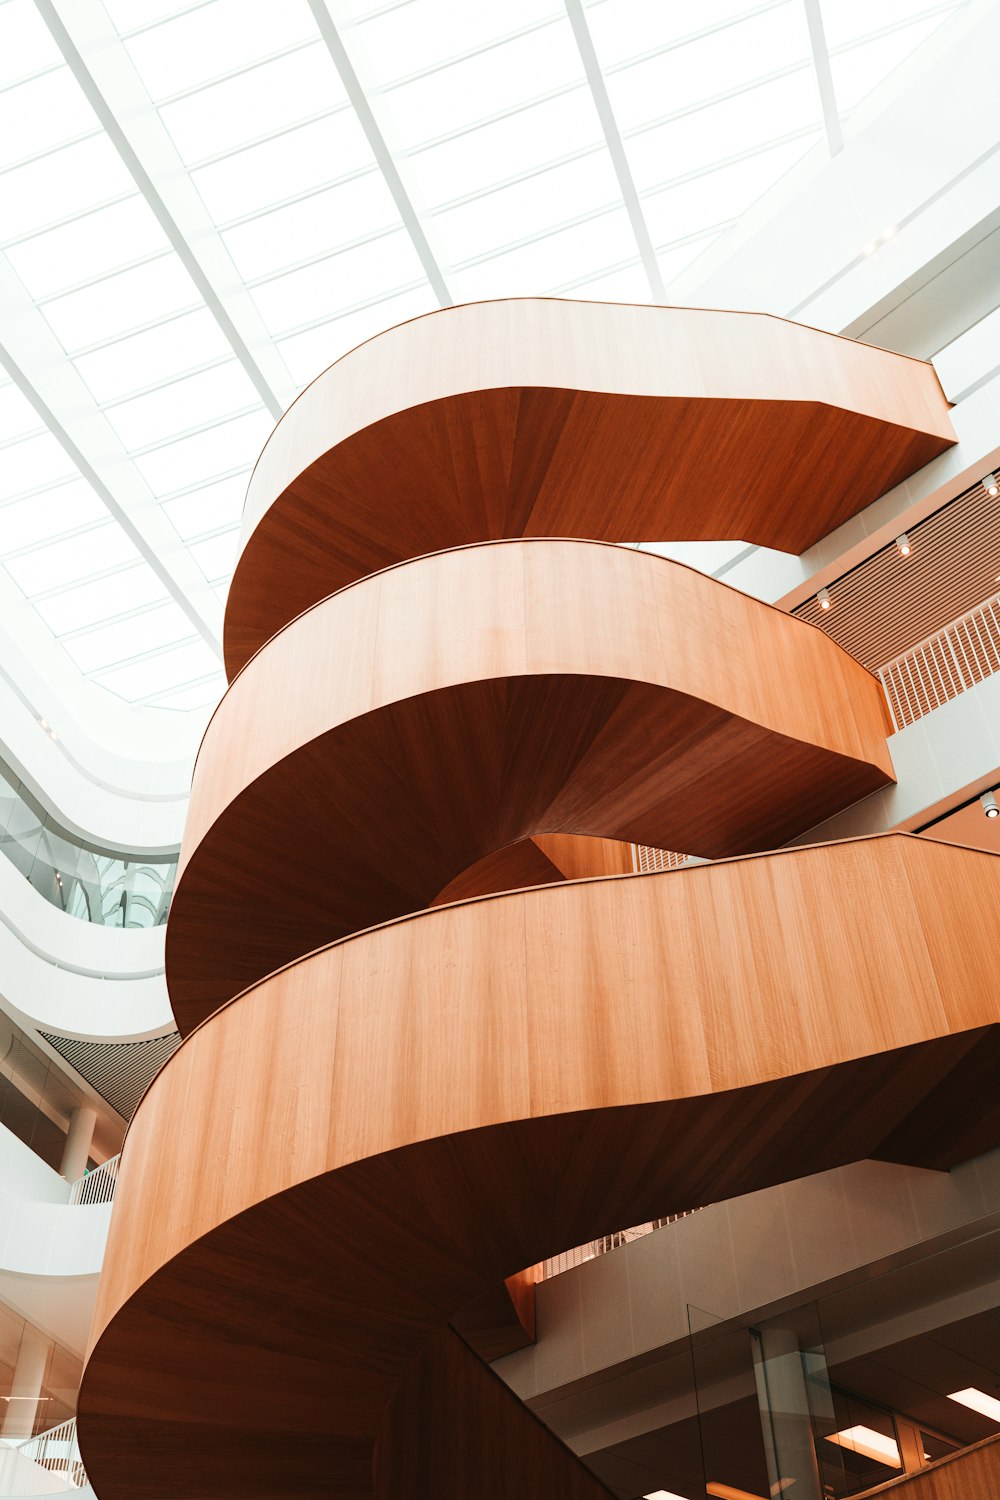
{"x":104,"y":71}
{"x":616,"y":147}
{"x":824,"y":76}
{"x":376,"y":139}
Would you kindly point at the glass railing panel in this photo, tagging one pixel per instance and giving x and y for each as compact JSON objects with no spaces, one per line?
{"x":842,"y":1395}
{"x":93,"y":885}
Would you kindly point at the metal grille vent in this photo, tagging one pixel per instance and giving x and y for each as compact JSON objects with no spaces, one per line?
{"x":119,"y":1071}
{"x":888,"y":603}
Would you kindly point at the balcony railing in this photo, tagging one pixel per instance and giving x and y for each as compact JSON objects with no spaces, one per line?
{"x":56,"y":1465}
{"x":576,"y":1257}
{"x":944,"y":665}
{"x":97,"y":1186}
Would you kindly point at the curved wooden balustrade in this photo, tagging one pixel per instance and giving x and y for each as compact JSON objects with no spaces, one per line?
{"x":325,"y":1186}
{"x":335,"y":1163}
{"x":445,"y":709}
{"x":539,"y":417}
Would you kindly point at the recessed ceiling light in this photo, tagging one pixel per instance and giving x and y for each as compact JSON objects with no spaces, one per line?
{"x":729,"y":1492}
{"x":992,"y":810}
{"x":987,"y":1406}
{"x":824,"y":598}
{"x":990,"y":484}
{"x":869,"y":1443}
{"x":903,"y":543}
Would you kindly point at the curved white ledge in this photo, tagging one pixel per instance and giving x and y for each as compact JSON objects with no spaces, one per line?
{"x":50,"y":1251}
{"x":50,"y":1264}
{"x":75,"y":978}
{"x":126,"y":803}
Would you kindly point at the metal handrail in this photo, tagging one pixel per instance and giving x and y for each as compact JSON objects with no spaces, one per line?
{"x":97,"y":1186}
{"x":940,"y":667}
{"x":58,"y":1451}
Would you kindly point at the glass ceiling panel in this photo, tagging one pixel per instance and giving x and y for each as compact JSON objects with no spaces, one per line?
{"x":130,"y":364}
{"x":67,"y":561}
{"x":129,"y":588}
{"x":182,"y":405}
{"x":312,"y":226}
{"x":501,"y":150}
{"x":623,"y":29}
{"x":188,"y":698}
{"x":531,"y":206}
{"x":516,"y":143}
{"x":17,"y":415}
{"x":216,"y":557}
{"x":219,"y":449}
{"x":732,"y":127}
{"x":627,"y":284}
{"x":288,"y":164}
{"x":215,"y":39}
{"x":425,"y":33}
{"x":352,"y":276}
{"x":31,"y":464}
{"x":45,"y":112}
{"x":210,"y":507}
{"x":505,"y":77}
{"x":719,"y":196}
{"x":730,"y":58}
{"x":307,"y":354}
{"x":25,"y":44}
{"x":552,"y":261}
{"x":55,"y":187}
{"x":157,"y":674}
{"x":88,"y":246}
{"x":118,"y":304}
{"x":149,"y":631}
{"x":847,"y":21}
{"x":129,"y":15}
{"x":254,"y":104}
{"x":42,"y":517}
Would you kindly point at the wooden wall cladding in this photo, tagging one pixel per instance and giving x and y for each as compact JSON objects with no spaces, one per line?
{"x":452,"y":706}
{"x":337,"y":1162}
{"x":972,"y":1475}
{"x":540,"y":417}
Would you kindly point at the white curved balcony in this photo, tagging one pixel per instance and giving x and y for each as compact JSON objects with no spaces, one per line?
{"x":76,"y":978}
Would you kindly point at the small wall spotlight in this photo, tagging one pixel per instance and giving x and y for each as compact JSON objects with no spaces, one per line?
{"x":824,"y":598}
{"x":903,"y":543}
{"x":990,"y":807}
{"x":990,"y":484}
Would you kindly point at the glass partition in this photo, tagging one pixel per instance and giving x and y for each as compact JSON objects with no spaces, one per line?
{"x":93,"y":884}
{"x":839,"y":1395}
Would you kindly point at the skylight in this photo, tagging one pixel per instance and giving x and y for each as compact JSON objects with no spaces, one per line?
{"x":204,"y":205}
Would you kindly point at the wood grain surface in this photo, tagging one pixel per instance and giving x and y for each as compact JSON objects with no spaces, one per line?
{"x":971,"y":1475}
{"x":337,"y":1162}
{"x":452,"y":706}
{"x":541,"y":417}
{"x":323,"y":1192}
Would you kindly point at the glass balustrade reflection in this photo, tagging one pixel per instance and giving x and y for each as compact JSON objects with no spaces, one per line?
{"x":115,"y":890}
{"x":839,"y":1396}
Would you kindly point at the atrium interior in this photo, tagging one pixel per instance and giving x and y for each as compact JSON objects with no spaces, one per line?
{"x":499,"y":749}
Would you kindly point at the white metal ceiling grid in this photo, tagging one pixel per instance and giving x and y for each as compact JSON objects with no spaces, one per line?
{"x":345,"y":167}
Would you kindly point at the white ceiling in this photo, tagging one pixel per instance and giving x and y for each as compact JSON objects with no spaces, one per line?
{"x":202,"y":206}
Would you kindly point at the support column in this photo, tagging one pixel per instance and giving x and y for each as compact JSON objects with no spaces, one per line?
{"x":786,"y":1420}
{"x":26,"y":1386}
{"x":79,"y":1139}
